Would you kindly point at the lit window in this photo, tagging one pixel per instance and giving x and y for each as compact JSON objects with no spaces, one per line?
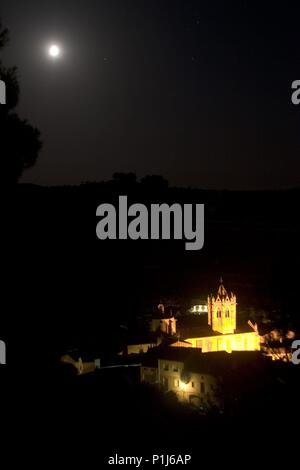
{"x":176,"y":383}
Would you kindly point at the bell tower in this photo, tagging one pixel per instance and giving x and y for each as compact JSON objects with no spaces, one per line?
{"x":222,"y":311}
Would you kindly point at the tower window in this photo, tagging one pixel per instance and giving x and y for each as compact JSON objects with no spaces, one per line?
{"x":227,"y":314}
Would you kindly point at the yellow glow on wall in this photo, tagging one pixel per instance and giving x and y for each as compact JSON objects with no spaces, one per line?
{"x":183,"y":386}
{"x":230,"y":342}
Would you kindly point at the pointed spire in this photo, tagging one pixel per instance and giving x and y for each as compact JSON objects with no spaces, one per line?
{"x":222,"y":291}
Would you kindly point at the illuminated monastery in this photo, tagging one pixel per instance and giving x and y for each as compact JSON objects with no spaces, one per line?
{"x":221,"y":333}
{"x":215,"y":330}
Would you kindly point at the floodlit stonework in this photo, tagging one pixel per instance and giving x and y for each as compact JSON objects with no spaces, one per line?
{"x":224,"y":335}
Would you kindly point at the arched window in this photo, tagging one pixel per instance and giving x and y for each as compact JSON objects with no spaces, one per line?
{"x":227,"y":314}
{"x":219,"y":313}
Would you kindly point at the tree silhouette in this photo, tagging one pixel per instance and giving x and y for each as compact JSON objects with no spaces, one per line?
{"x":155,"y":182}
{"x":20,"y":142}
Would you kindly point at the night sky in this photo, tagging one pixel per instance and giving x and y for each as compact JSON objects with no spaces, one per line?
{"x":198,"y":91}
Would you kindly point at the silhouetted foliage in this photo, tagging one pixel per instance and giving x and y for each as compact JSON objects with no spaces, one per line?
{"x":127,"y":178}
{"x":3,"y":35}
{"x":155,"y":182}
{"x":20,"y":142}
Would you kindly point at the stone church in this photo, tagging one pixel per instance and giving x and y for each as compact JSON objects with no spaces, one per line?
{"x":221,"y":332}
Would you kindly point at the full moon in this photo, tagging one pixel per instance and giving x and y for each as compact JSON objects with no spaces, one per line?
{"x":54,"y":51}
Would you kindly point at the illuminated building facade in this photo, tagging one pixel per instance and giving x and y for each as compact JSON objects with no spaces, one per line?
{"x":81,"y":367}
{"x":199,"y":307}
{"x":139,"y":348}
{"x":201,"y":380}
{"x":194,"y":387}
{"x":223,"y":334}
{"x":163,"y":325}
{"x":222,"y":311}
{"x":184,"y":372}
